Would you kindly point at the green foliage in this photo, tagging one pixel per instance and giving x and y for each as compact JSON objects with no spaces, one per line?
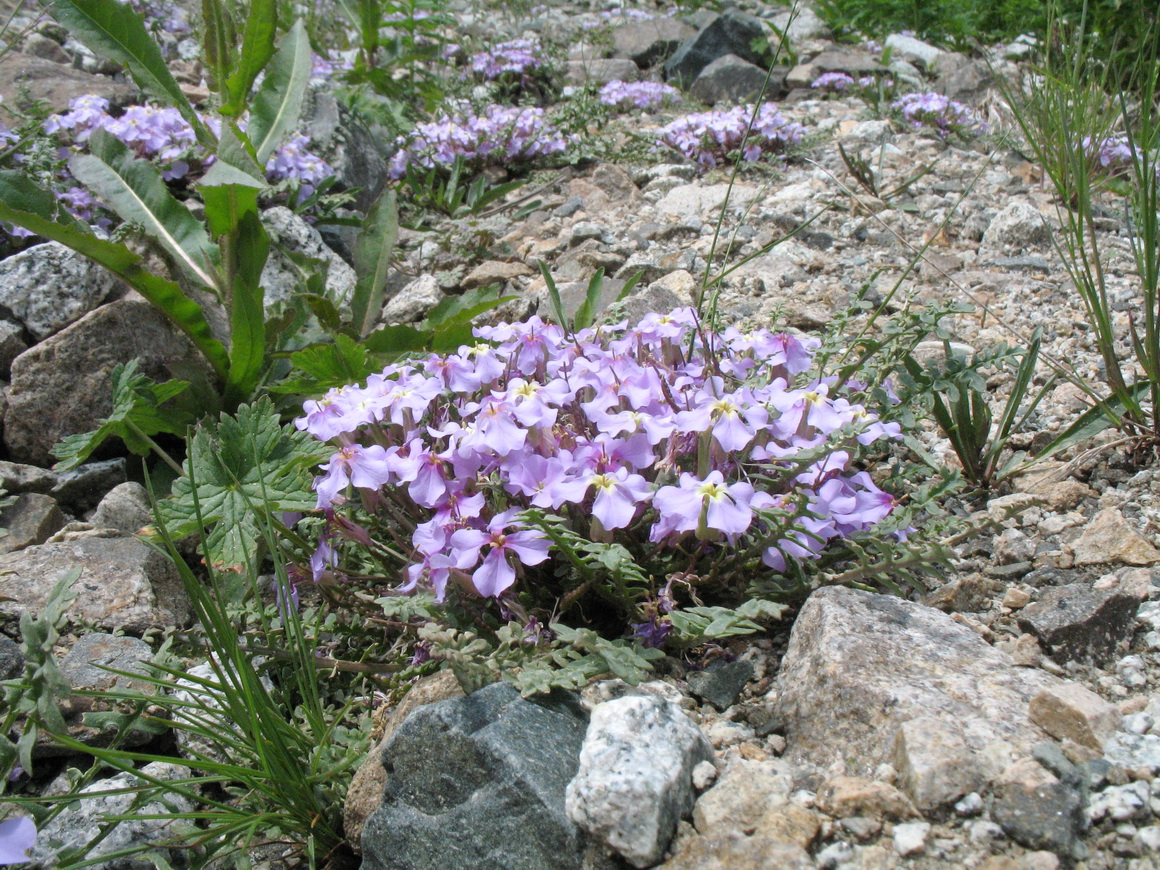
{"x":137,"y":416}
{"x":586,"y":311}
{"x":240,"y":473}
{"x":567,"y":658}
{"x":693,"y":626}
{"x":442,"y":189}
{"x":958,"y":399}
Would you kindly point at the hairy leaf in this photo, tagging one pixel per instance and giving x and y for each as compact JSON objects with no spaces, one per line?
{"x":244,"y":468}
{"x":135,"y":190}
{"x":278,"y":103}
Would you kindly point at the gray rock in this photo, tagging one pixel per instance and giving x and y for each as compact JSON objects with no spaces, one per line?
{"x":84,"y":665}
{"x":280,"y":275}
{"x":1134,"y":751}
{"x":868,"y":666}
{"x":1037,"y":810}
{"x":15,"y":477}
{"x":63,"y":386}
{"x":635,"y":780}
{"x":84,"y":820}
{"x":960,"y":77}
{"x":653,"y":299}
{"x":412,"y":303}
{"x":50,"y":286}
{"x":800,"y":24}
{"x":479,"y":782}
{"x":1022,"y":264}
{"x":201,"y":706}
{"x":646,"y":42}
{"x":124,"y":583}
{"x":11,"y":659}
{"x":83,"y":487}
{"x":914,"y":50}
{"x":25,"y":80}
{"x":1018,"y":226}
{"x":847,"y":60}
{"x":32,"y":519}
{"x":1077,"y":622}
{"x":340,"y":138}
{"x":125,"y":508}
{"x":39,"y":45}
{"x":12,"y":344}
{"x":601,"y":70}
{"x":731,"y":33}
{"x":734,"y":80}
{"x":721,"y":683}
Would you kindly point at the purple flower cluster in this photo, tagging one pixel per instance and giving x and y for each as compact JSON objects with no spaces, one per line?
{"x":717,"y":136}
{"x":833,"y":81}
{"x":640,"y":95}
{"x":517,"y":57}
{"x":164,"y":137}
{"x":500,"y":134}
{"x":666,"y":430}
{"x":324,"y":68}
{"x":942,"y":113}
{"x":1111,"y":153}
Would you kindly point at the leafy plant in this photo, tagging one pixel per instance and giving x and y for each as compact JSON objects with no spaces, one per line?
{"x":959,"y":404}
{"x":443,"y":189}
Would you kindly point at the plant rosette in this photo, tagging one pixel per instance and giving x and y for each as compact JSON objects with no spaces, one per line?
{"x":700,"y":453}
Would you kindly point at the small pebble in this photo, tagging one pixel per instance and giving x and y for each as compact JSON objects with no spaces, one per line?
{"x":1149,"y":838}
{"x":970,"y":805}
{"x":983,"y":832}
{"x":703,"y":775}
{"x":1137,"y":723}
{"x":910,"y":838}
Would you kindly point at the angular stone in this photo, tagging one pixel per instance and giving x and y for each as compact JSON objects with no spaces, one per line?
{"x":960,"y":77}
{"x":123,"y":584}
{"x":32,"y":519}
{"x":25,"y":80}
{"x":62,"y":386}
{"x":601,"y":70}
{"x":635,"y":780}
{"x":125,"y":508}
{"x":735,"y":851}
{"x":697,"y":200}
{"x":1108,"y":537}
{"x":648,"y":41}
{"x":354,"y":152}
{"x":914,"y":50}
{"x":11,"y":659}
{"x":742,"y":796}
{"x":1036,"y":809}
{"x":1074,"y":712}
{"x":730,"y":33}
{"x":846,"y":796}
{"x":50,"y":286}
{"x":801,"y":23}
{"x":365,"y":794}
{"x":1019,"y":225}
{"x":789,"y":823}
{"x":862,"y":665}
{"x":721,"y":684}
{"x":479,"y":782}
{"x":1077,"y":622}
{"x":412,"y":303}
{"x":82,"y":821}
{"x":15,"y":477}
{"x":82,"y":488}
{"x":731,"y":79}
{"x":280,"y":276}
{"x":494,"y":272}
{"x":12,"y":344}
{"x":845,"y":60}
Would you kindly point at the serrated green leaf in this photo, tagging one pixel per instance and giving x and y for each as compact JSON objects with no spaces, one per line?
{"x":137,"y":415}
{"x":278,"y":103}
{"x":372,"y":260}
{"x":135,"y":190}
{"x":244,"y":467}
{"x":114,"y":30}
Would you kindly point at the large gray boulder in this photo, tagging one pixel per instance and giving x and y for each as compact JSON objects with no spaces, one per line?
{"x":731,"y":33}
{"x":124,"y":584}
{"x":645,"y":42}
{"x":49,"y":286}
{"x":290,"y":234}
{"x":904,"y":684}
{"x":63,"y":385}
{"x":344,"y":142}
{"x":479,"y":782}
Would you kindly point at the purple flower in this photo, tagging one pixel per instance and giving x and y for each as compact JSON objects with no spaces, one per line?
{"x":712,"y":137}
{"x":496,"y":573}
{"x":363,"y":467}
{"x":17,"y":836}
{"x":640,"y":95}
{"x":704,"y":506}
{"x":517,"y":57}
{"x":935,"y":110}
{"x":833,"y":81}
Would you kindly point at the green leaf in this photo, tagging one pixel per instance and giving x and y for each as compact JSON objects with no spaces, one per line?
{"x":115,"y":31}
{"x":246,"y":467}
{"x":372,"y":260}
{"x":586,"y":313}
{"x":279,"y":101}
{"x":137,"y":415}
{"x":219,"y":43}
{"x":134,"y":189}
{"x":257,"y":49}
{"x":460,"y":310}
{"x":250,"y":247}
{"x":331,"y":365}
{"x":397,"y":339}
{"x":26,"y":205}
